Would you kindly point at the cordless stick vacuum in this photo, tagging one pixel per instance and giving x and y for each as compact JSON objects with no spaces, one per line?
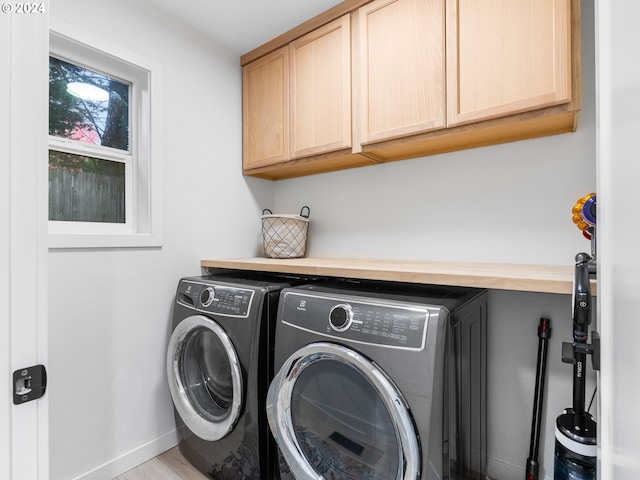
{"x":575,"y":448}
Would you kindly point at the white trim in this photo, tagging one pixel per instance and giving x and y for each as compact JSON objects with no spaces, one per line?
{"x":75,"y":241}
{"x":618,"y":171}
{"x":133,"y":458}
{"x":143,"y":226}
{"x":78,"y":148}
{"x":24,"y":49}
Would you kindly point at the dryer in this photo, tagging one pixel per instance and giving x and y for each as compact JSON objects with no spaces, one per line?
{"x":219,"y":363}
{"x":379,"y":381}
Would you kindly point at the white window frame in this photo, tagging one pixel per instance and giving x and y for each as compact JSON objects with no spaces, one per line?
{"x":143,"y":162}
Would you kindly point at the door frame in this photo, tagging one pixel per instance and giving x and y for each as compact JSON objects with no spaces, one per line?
{"x":24,"y":47}
{"x":618,"y":171}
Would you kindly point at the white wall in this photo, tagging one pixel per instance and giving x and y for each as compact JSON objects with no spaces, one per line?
{"x":508,"y":203}
{"x":110,"y":309}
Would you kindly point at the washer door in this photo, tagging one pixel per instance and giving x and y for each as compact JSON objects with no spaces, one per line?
{"x":204,"y":376}
{"x":337,"y":415}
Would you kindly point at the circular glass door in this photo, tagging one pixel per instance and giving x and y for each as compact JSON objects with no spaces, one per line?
{"x":204,"y":376}
{"x":337,"y":415}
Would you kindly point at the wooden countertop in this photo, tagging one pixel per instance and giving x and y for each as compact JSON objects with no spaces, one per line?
{"x":526,"y":278}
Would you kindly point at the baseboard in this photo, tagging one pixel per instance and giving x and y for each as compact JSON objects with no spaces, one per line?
{"x":500,"y":470}
{"x":133,"y":458}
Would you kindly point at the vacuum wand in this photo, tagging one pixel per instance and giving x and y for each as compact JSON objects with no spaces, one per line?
{"x":544,"y":334}
{"x":581,"y":322}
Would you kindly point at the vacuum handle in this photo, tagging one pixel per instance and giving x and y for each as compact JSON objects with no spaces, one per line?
{"x":581,"y":321}
{"x":581,"y":297}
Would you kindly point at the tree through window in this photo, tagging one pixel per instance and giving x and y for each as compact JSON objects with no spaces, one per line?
{"x":89,"y":114}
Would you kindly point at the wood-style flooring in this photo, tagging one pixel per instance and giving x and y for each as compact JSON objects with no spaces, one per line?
{"x":171,"y":465}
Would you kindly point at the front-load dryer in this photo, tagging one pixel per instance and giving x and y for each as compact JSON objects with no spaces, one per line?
{"x":379,"y":381}
{"x":219,"y":364}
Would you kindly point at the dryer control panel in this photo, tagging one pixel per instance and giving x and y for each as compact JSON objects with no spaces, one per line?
{"x":215,"y":299}
{"x":359,"y":319}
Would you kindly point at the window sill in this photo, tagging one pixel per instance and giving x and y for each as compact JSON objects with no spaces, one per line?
{"x":83,"y":241}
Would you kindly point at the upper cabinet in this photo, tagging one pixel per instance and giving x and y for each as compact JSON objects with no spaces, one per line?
{"x":297,"y":106}
{"x":506,"y":57}
{"x":400,"y":69}
{"x":265,"y":110}
{"x":320,"y":97}
{"x":384,"y":80}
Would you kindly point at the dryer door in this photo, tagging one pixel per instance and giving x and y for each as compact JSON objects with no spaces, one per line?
{"x":205,"y":378}
{"x":336,"y":414}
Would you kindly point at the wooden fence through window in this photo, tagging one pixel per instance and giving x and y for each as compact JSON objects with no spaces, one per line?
{"x":86,"y":196}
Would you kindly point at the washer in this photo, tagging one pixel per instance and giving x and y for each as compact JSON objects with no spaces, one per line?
{"x":379,"y":381}
{"x":219,"y":364}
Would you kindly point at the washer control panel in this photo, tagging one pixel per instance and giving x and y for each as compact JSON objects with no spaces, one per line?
{"x":215,"y":299}
{"x":359,"y":319}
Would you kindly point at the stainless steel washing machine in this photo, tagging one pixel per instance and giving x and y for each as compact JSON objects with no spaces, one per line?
{"x":380,"y":381}
{"x":219,"y":364}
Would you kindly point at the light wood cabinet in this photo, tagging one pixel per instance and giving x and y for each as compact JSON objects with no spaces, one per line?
{"x":511,"y":70}
{"x":400,"y":68}
{"x":297,"y":106}
{"x":506,"y":57}
{"x":377,"y":81}
{"x":320,"y":89}
{"x":265,"y":109}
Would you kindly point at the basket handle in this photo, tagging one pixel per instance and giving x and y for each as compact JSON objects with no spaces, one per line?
{"x":267,"y":211}
{"x":308,"y":212}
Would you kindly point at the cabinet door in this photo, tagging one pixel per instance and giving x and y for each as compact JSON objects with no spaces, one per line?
{"x":265,"y":108}
{"x":321,"y":90}
{"x":506,"y":56}
{"x":400,"y":68}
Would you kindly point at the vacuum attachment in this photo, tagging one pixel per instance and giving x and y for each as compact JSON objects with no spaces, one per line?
{"x":544,"y":334}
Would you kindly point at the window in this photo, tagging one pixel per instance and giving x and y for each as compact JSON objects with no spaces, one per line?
{"x":101,"y":191}
{"x":88,"y":113}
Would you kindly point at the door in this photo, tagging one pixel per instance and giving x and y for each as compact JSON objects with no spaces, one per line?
{"x":400,"y":68}
{"x":320,"y":98}
{"x":265,"y":110}
{"x":618,"y":127}
{"x":23,"y":236}
{"x":505,"y":57}
{"x":334,"y":411}
{"x":205,"y":379}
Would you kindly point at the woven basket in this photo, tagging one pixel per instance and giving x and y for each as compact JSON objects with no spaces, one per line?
{"x":285,"y":236}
